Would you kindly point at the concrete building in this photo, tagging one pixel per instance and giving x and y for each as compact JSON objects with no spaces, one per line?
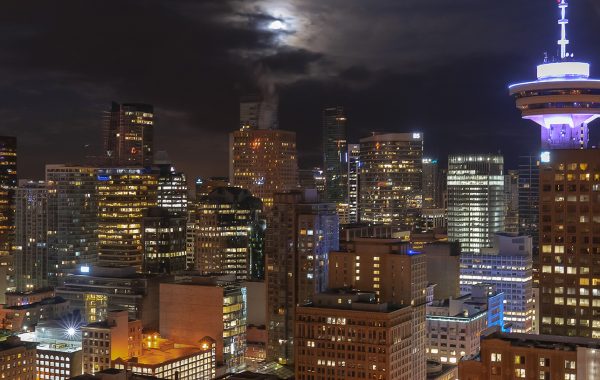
{"x":391,"y":178}
{"x":18,"y":359}
{"x":529,"y":205}
{"x":72,"y":219}
{"x":172,"y":190}
{"x":511,"y":201}
{"x":455,"y":325}
{"x":129,"y":134}
{"x":8,"y":187}
{"x":353,"y":182}
{"x":395,"y":273}
{"x":350,"y":335}
{"x":168,"y":360}
{"x":527,"y":356}
{"x":31,"y":230}
{"x":230,"y":233}
{"x":116,"y":337}
{"x":215,"y":306}
{"x":302,"y":231}
{"x":22,"y":318}
{"x":263,"y":161}
{"x":475,"y":199}
{"x":164,"y":238}
{"x":59,"y":349}
{"x":443,"y":268}
{"x":123,"y":195}
{"x":96,"y":290}
{"x":508,"y":267}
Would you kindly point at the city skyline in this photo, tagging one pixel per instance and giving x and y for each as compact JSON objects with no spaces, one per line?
{"x":201,"y":104}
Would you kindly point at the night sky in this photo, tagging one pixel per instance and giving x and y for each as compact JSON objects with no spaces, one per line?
{"x":437,"y":66}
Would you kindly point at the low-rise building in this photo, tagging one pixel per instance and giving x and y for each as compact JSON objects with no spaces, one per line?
{"x":24,"y":317}
{"x":528,"y":356}
{"x":116,"y":337}
{"x":167,"y":360}
{"x":17,"y":359}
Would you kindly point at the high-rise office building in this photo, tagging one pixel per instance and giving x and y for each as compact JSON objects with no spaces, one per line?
{"x":205,"y":185}
{"x":129,"y":134}
{"x":259,"y":112}
{"x":301,"y":233}
{"x":475,"y":199}
{"x":529,"y":199}
{"x":563,"y":101}
{"x":164,"y":238}
{"x":31,"y":230}
{"x":391,"y":178}
{"x":335,"y":159}
{"x":172,"y":191}
{"x":507,"y":265}
{"x":230,"y":233}
{"x":72,"y":219}
{"x":8,"y":185}
{"x":123,"y":195}
{"x":358,"y":323}
{"x":396,"y":274}
{"x":263,"y":161}
{"x":353,"y":182}
{"x":511,"y":201}
{"x":432,"y":187}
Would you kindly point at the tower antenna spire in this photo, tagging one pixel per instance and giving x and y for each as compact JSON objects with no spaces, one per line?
{"x":563,"y":21}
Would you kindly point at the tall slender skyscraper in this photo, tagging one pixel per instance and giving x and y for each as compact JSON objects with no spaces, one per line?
{"x":263,"y":161}
{"x":302,"y":231}
{"x":72,"y":219}
{"x":335,"y":159}
{"x":164,"y":238}
{"x":529,"y":200}
{"x":123,"y":196}
{"x":353,"y":182}
{"x":129,"y":134}
{"x":172,"y":192}
{"x":511,"y":201}
{"x":31,"y":248}
{"x":258,"y":112}
{"x":431,"y":184}
{"x":475,"y":200}
{"x":391,"y":178}
{"x":8,"y":185}
{"x":563,"y":101}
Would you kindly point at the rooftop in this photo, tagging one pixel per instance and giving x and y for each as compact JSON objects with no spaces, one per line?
{"x":549,"y":342}
{"x":154,"y":357}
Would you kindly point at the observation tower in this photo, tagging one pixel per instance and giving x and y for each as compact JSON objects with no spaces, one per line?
{"x":563,"y":100}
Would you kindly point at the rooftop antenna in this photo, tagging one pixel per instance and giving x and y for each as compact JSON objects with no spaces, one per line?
{"x":563,"y":21}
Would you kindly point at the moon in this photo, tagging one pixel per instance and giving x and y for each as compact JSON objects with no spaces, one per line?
{"x":277,"y":25}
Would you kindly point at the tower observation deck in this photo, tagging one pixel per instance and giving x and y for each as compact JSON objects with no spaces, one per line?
{"x":563,"y":100}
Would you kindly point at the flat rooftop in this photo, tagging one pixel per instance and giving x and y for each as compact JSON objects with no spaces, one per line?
{"x":158,"y":356}
{"x":549,"y":342}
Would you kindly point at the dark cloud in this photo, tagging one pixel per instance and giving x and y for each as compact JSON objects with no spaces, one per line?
{"x":430,"y":65}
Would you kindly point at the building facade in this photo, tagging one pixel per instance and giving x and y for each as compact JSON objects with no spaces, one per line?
{"x":508,"y":267}
{"x":230,"y":233}
{"x":475,"y":200}
{"x":353,"y":182}
{"x":391,"y":178}
{"x":263,"y":161}
{"x":18,"y":359}
{"x":73,"y":219}
{"x":172,"y":189}
{"x":123,"y":195}
{"x":8,"y":186}
{"x":31,"y":228}
{"x":302,"y":231}
{"x":349,"y":335}
{"x":129,"y":134}
{"x":164,"y":240}
{"x":335,"y":162}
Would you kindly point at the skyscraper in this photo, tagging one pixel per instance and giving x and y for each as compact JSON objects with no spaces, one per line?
{"x":391,"y":178}
{"x":72,"y":219}
{"x":335,"y":159}
{"x":31,"y":244}
{"x":563,"y":101}
{"x":475,"y":200}
{"x":8,"y":185}
{"x":529,"y":199}
{"x":123,"y":195}
{"x":300,"y":236}
{"x":172,"y":191}
{"x":230,"y":233}
{"x":431,"y":184}
{"x":511,"y":201}
{"x":353,"y":182}
{"x":164,"y":238}
{"x":263,"y":161}
{"x":258,"y":112}
{"x":129,"y":134}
